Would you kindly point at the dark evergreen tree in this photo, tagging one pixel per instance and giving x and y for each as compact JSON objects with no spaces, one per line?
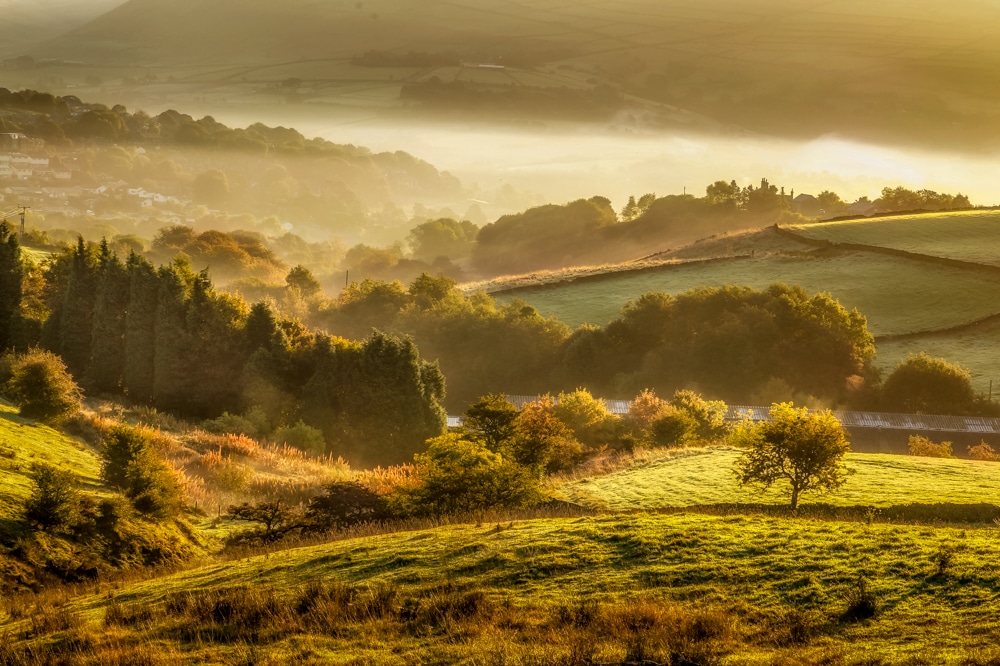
{"x":171,"y":385}
{"x":76,"y":321}
{"x":140,"y":328}
{"x":107,"y":351}
{"x":215,"y":324}
{"x":376,"y":401}
{"x":11,"y":274}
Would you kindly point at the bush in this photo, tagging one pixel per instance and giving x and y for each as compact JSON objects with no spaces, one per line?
{"x":41,"y":386}
{"x":344,"y":504}
{"x":921,"y":446}
{"x":303,"y":437}
{"x":588,"y":417}
{"x":131,"y":464}
{"x":862,"y":602}
{"x":983,"y":451}
{"x":54,"y":497}
{"x":459,"y":475}
{"x":923,"y":384}
{"x":543,"y":442}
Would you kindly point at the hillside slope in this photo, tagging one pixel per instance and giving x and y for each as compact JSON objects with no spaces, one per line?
{"x":732,"y":590}
{"x":876,"y":71}
{"x":691,"y":477}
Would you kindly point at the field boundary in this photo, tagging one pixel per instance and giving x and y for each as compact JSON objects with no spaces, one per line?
{"x":889,"y":251}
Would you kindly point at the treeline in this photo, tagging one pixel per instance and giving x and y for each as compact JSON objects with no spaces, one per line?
{"x":733,"y":343}
{"x":590,"y":231}
{"x":165,"y":336}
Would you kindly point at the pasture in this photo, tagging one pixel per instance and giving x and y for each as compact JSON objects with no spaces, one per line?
{"x":23,"y":442}
{"x":896,"y":295}
{"x":691,"y":477}
{"x":967,"y":235}
{"x":763,"y":590}
{"x":975,"y":349}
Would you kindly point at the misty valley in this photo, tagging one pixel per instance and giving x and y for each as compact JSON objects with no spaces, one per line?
{"x":499,"y":333}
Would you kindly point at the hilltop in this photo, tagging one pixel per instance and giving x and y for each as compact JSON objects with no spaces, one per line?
{"x":660,"y":62}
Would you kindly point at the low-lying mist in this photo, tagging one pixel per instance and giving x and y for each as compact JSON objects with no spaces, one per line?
{"x":559,"y":163}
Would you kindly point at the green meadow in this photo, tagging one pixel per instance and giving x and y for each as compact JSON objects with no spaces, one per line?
{"x":762,"y":590}
{"x":691,"y":477}
{"x":967,"y":236}
{"x":23,"y":442}
{"x":897,"y":295}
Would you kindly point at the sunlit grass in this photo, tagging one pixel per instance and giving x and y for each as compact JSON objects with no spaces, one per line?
{"x":23,"y":442}
{"x":705,"y":476}
{"x":752,"y":569}
{"x":968,"y":235}
{"x":896,"y":295}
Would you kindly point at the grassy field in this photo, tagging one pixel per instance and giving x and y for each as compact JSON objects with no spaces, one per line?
{"x":737,"y":589}
{"x":704,"y":476}
{"x":975,"y":349}
{"x":896,"y":295}
{"x":23,"y":442}
{"x":967,"y":236}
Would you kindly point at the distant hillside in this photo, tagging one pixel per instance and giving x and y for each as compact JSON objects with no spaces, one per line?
{"x":26,"y":22}
{"x":918,"y":71}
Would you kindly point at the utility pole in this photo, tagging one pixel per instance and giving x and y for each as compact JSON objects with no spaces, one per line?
{"x":24,"y":209}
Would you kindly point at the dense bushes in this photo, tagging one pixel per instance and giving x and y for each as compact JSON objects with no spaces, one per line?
{"x":40,"y":385}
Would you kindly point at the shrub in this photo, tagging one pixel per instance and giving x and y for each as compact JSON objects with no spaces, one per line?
{"x":53,"y":498}
{"x":983,"y":451}
{"x":543,"y":442}
{"x":709,"y":415}
{"x":921,"y":446}
{"x":862,"y":602}
{"x":303,"y":437}
{"x":672,"y":427}
{"x":493,"y":419}
{"x":926,"y":385}
{"x":588,"y":417}
{"x":231,"y":424}
{"x":344,"y":504}
{"x":458,"y":475}
{"x":131,"y":464}
{"x":41,"y":387}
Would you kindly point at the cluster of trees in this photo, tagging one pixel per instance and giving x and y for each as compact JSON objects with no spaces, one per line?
{"x":727,"y":342}
{"x":497,"y":460}
{"x":590,"y":231}
{"x":166,"y":337}
{"x":894,"y":200}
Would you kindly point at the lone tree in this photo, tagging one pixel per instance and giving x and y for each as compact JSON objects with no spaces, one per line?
{"x":804,"y":449}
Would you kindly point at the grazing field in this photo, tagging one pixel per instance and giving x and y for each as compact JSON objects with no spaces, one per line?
{"x":710,"y":589}
{"x":896,"y":295}
{"x":977,"y":349}
{"x":705,"y":476}
{"x":968,"y":236}
{"x":23,"y":442}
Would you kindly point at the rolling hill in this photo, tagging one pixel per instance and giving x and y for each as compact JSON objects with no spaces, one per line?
{"x":712,"y":589}
{"x":872,"y":71}
{"x":924,"y":282}
{"x":692,"y":477}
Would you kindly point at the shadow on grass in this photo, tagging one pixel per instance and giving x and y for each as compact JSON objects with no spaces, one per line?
{"x":938,"y":513}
